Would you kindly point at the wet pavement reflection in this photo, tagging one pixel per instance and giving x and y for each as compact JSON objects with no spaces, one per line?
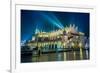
{"x":57,"y":56}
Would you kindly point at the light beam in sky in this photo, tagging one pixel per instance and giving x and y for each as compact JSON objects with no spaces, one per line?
{"x":52,"y":19}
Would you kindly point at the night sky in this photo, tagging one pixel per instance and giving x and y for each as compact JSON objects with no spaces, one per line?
{"x":35,"y":21}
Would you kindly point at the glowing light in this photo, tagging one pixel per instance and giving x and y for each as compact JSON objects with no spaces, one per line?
{"x":80,"y":44}
{"x":37,"y":31}
{"x":73,"y":44}
{"x":53,"y":19}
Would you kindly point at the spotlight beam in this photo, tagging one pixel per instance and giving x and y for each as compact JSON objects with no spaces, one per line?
{"x":56,"y":19}
{"x":53,"y":20}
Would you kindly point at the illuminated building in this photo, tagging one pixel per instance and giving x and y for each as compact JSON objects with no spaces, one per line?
{"x":53,"y":36}
{"x":62,"y":38}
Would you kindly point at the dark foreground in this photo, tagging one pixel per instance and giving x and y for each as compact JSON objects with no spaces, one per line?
{"x":69,"y":55}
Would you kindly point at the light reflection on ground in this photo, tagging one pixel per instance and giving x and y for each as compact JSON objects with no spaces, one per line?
{"x":60,"y":56}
